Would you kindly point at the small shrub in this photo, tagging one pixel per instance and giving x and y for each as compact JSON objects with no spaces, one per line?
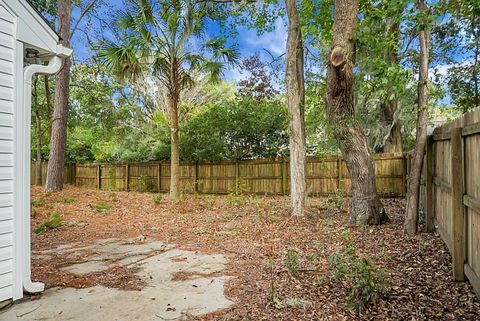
{"x":158,"y":198}
{"x":53,"y":222}
{"x":290,"y":260}
{"x":145,"y":184}
{"x":238,"y":187}
{"x":366,"y":282}
{"x":336,"y":201}
{"x":100,"y":207}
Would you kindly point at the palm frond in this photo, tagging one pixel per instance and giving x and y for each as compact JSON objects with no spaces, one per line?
{"x":123,"y":61}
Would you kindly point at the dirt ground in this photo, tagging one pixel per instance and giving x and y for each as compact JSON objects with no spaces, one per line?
{"x":254,"y":233}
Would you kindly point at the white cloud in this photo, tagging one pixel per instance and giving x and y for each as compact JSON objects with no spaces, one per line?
{"x":274,"y":41}
{"x":442,"y":69}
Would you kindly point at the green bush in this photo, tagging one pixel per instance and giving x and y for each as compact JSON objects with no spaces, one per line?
{"x":53,"y":222}
{"x":365,"y":281}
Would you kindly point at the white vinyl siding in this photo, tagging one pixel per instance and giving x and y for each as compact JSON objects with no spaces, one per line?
{"x":7,"y":120}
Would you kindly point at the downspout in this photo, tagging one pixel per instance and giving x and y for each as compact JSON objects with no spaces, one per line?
{"x":53,"y":67}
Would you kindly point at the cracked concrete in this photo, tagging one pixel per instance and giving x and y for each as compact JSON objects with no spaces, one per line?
{"x":164,"y":297}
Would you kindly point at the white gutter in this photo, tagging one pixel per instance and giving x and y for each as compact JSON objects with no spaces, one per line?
{"x":53,"y":67}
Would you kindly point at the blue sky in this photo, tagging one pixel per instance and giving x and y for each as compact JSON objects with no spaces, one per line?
{"x":248,"y":41}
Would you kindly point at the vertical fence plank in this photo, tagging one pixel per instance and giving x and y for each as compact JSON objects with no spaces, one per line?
{"x":458,"y":253}
{"x":99,"y":176}
{"x":195,"y":180}
{"x":284,"y":172}
{"x":237,"y":172}
{"x":339,"y":173}
{"x":429,"y":217}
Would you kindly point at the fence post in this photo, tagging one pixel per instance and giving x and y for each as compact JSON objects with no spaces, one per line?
{"x":74,"y":174}
{"x":458,"y":252}
{"x":127,"y":177}
{"x":99,"y":176}
{"x":159,"y":177}
{"x":429,"y":189}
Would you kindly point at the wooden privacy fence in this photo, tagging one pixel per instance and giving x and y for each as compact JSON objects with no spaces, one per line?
{"x":68,"y":177}
{"x":325,"y":175}
{"x":453,"y":192}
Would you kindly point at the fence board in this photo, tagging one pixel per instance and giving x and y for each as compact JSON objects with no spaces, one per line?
{"x":455,"y":192}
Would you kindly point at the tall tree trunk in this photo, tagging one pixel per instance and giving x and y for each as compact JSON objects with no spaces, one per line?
{"x":58,"y":141}
{"x":476,"y":35}
{"x":366,"y":208}
{"x":38,"y":134}
{"x":411,"y":215}
{"x":175,"y":148}
{"x":296,"y":104}
{"x":48,"y":100}
{"x":393,"y":143}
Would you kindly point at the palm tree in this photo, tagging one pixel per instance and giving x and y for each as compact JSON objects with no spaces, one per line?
{"x":165,"y":40}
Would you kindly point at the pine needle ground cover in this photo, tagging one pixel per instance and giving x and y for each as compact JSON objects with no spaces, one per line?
{"x":282,"y":268}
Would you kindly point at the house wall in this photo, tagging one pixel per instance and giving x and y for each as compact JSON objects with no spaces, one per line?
{"x":7,"y":120}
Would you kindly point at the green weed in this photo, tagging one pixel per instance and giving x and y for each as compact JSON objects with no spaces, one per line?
{"x":366,"y":282}
{"x":157,"y":198}
{"x":336,"y":201}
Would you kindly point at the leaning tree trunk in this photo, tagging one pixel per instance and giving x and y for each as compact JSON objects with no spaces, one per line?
{"x":411,"y":215}
{"x":366,"y":208}
{"x":393,"y":143}
{"x":295,"y":103}
{"x":175,"y":147}
{"x":58,"y":141}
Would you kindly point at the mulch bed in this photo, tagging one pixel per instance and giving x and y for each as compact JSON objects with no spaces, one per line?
{"x":254,"y":233}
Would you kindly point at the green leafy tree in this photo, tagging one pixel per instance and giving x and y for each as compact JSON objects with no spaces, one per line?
{"x":240,"y":129}
{"x":165,"y":40}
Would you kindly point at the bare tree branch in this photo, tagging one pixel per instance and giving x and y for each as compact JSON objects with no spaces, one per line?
{"x":82,"y":15}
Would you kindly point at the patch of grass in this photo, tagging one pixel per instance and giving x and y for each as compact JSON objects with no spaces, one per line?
{"x":157,"y":198}
{"x":40,"y":201}
{"x":100,"y":207}
{"x":69,"y":200}
{"x":53,"y":222}
{"x":365,"y":281}
{"x":33,"y":213}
